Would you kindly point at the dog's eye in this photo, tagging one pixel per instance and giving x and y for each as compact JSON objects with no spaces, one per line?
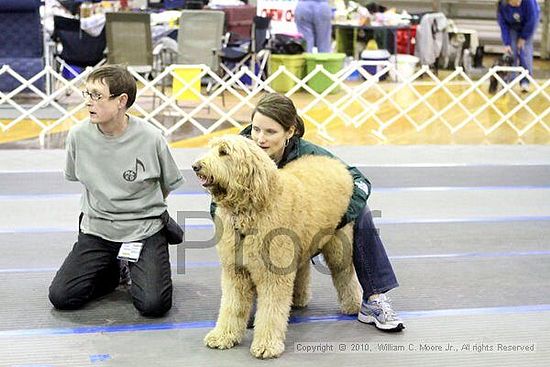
{"x":222,"y":151}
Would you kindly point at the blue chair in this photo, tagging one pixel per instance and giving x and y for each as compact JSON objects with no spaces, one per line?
{"x":21,"y":42}
{"x":242,"y":52}
{"x":174,"y":4}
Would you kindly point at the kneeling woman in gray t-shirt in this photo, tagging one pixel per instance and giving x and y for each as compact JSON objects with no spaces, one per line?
{"x":127,"y":171}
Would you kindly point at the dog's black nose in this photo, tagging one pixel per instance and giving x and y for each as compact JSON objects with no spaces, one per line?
{"x":196,"y":167}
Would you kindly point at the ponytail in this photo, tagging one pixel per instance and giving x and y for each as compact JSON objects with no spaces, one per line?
{"x":300,"y":127}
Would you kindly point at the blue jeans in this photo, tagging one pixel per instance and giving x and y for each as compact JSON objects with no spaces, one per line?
{"x":314,"y":22}
{"x":371,"y":262}
{"x":525,"y":58}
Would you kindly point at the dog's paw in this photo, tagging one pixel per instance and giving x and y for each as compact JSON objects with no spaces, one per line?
{"x":300,"y":301}
{"x":220,"y":340}
{"x":265,"y":349}
{"x":350,"y":308}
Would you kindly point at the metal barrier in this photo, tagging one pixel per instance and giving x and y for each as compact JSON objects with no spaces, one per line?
{"x":366,"y":100}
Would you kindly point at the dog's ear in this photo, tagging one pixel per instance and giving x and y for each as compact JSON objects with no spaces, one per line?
{"x":223,"y":149}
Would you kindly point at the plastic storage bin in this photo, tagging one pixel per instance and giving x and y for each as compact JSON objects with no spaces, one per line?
{"x":332,"y":63}
{"x":190,"y":92}
{"x":405,"y":65}
{"x":294,"y":63}
{"x":375,"y":55}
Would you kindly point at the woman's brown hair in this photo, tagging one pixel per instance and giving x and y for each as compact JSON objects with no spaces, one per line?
{"x":281,"y":109}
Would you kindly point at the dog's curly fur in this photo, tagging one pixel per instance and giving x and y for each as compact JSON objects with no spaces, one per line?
{"x":270,"y":222}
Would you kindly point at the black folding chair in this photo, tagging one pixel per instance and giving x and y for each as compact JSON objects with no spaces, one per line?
{"x":252,"y":51}
{"x":78,"y":47}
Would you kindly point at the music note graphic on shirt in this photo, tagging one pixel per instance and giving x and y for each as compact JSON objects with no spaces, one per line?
{"x":131,"y":174}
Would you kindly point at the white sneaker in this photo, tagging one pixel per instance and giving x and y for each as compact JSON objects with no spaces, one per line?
{"x":379,"y":313}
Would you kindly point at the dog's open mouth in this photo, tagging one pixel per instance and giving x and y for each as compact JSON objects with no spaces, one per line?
{"x":208,"y":183}
{"x":205,"y":181}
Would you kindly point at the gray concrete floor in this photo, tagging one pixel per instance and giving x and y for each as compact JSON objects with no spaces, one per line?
{"x":466,"y":228}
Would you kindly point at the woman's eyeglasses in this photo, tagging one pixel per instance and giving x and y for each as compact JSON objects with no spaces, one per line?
{"x":94,"y":96}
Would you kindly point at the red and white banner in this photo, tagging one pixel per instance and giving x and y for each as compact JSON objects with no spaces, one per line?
{"x":281,"y":13}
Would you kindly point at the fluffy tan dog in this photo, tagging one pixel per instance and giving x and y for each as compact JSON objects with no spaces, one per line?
{"x":271,"y":222}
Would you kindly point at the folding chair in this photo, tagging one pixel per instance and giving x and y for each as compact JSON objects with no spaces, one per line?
{"x":234,"y":56}
{"x":71,"y":5}
{"x":129,"y":40}
{"x":200,"y":40}
{"x":238,"y":19}
{"x":22,"y":42}
{"x":200,"y":37}
{"x":78,"y":47}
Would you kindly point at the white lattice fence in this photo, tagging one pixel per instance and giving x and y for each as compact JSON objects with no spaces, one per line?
{"x":421,"y":100}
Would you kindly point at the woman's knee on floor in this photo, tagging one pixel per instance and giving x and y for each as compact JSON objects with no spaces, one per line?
{"x":62,"y":299}
{"x":153,"y":304}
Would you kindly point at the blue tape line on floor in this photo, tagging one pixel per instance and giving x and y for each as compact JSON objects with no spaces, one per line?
{"x":500,"y":219}
{"x":503,"y":219}
{"x":472,"y":254}
{"x":459,"y":188}
{"x":99,"y":358}
{"x":407,"y":315}
{"x":61,"y":196}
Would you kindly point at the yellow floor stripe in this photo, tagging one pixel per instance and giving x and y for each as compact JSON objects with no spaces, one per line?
{"x":28,"y":129}
{"x":202,"y":141}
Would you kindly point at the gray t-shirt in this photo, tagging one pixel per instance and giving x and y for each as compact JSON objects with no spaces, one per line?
{"x":124,"y":179}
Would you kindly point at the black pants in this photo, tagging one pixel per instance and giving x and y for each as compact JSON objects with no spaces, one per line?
{"x":91,"y":270}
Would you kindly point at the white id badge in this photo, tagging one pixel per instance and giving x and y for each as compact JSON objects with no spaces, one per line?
{"x":130,"y":251}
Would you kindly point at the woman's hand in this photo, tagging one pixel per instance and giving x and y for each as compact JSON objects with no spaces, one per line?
{"x":521,"y":43}
{"x":508,"y":50}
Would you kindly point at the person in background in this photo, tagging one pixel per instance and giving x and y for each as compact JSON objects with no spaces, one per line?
{"x":314,"y":21}
{"x":518,"y":20}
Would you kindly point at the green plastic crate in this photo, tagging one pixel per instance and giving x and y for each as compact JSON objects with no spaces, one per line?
{"x":332,"y":63}
{"x":293,"y":63}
